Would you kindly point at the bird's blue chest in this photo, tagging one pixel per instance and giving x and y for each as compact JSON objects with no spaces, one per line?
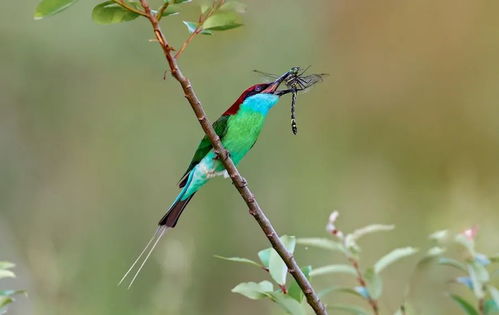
{"x":245,"y":126}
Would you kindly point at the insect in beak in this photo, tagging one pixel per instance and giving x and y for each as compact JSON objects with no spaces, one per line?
{"x":295,"y":82}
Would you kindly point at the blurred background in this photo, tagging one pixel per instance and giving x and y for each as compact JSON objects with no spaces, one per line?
{"x":404,"y":131}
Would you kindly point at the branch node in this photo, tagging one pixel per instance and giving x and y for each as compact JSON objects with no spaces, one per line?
{"x":222,"y":154}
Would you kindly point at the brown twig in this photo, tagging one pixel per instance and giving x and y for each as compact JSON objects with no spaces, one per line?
{"x":129,"y":7}
{"x":199,"y":27}
{"x":360,"y":278}
{"x":188,"y":41}
{"x":162,"y":10}
{"x":481,"y":306}
{"x":237,"y":179}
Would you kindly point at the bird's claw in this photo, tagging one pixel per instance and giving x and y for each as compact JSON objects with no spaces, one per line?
{"x":222,"y":155}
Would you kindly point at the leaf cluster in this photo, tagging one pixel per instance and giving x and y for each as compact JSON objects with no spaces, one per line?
{"x":219,"y":16}
{"x":286,"y":294}
{"x":7,"y":296}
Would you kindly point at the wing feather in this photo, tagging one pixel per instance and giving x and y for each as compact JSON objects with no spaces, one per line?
{"x":220,"y":126}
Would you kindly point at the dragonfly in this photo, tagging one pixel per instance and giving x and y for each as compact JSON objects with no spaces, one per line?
{"x":296,"y":82}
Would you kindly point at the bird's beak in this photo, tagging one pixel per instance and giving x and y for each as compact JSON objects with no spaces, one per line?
{"x":272,"y":88}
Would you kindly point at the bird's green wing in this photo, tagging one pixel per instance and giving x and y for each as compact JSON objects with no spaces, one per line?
{"x":220,"y":126}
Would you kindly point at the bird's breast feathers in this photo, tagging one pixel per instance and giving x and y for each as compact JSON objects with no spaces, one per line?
{"x":245,"y":126}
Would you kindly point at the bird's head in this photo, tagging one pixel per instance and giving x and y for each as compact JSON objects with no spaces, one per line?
{"x":261,"y":88}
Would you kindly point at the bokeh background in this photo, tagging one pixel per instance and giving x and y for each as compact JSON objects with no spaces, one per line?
{"x":405,"y":130}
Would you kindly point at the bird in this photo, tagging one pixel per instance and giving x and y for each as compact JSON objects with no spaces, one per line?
{"x":238,"y":128}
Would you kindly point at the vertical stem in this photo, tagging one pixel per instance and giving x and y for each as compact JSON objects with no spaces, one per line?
{"x":481,"y":306}
{"x":240,"y":183}
{"x":360,"y":278}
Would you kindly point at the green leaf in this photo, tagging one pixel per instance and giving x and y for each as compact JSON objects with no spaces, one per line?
{"x":234,"y":6}
{"x":439,"y":236}
{"x":353,"y":237}
{"x":264,"y":256}
{"x":352,"y":309}
{"x":6,"y":274}
{"x":338,"y":289}
{"x":171,"y":10}
{"x":289,"y":242}
{"x":6,"y":265}
{"x":490,"y":307}
{"x":431,"y":255}
{"x":481,"y":271}
{"x":323,"y":243}
{"x":294,"y":289}
{"x":392,"y":257}
{"x":495,"y":258}
{"x":478,"y":275}
{"x":277,"y":268}
{"x":109,"y":12}
{"x":241,"y":260}
{"x":467,"y":307}
{"x":5,"y":301}
{"x":467,"y":243}
{"x":191,"y":27}
{"x":374,"y":283}
{"x":50,"y":7}
{"x":339,"y":268}
{"x":494,"y":293}
{"x":434,"y":252}
{"x":177,"y":1}
{"x":11,"y":292}
{"x":254,"y":290}
{"x":286,"y":302}
{"x":452,"y":263}
{"x":223,"y":20}
{"x":204,"y":7}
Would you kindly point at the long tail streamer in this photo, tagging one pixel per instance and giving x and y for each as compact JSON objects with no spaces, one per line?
{"x":160,"y":231}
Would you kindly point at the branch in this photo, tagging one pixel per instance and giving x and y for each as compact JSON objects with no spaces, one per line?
{"x":188,"y":41}
{"x":202,"y":18}
{"x":237,"y":179}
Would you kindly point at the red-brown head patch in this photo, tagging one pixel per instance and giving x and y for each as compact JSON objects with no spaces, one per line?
{"x":255,"y":89}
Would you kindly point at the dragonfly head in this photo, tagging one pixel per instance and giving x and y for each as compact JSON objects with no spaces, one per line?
{"x":273,"y":86}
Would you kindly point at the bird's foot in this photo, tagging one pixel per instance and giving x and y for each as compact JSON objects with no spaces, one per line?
{"x":222,"y":155}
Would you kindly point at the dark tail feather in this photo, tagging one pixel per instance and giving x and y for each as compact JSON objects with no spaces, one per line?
{"x":171,"y":217}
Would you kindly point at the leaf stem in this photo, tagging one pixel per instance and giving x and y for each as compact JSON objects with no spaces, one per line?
{"x":360,"y":278}
{"x":162,"y":10}
{"x":129,"y":7}
{"x":199,"y":27}
{"x":481,"y":306}
{"x":188,"y":41}
{"x":240,"y":183}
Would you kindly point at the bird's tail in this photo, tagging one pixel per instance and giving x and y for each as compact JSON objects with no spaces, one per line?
{"x":171,"y":217}
{"x":168,"y":221}
{"x":160,"y":231}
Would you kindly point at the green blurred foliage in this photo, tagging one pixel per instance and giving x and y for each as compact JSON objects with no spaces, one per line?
{"x":93,"y":141}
